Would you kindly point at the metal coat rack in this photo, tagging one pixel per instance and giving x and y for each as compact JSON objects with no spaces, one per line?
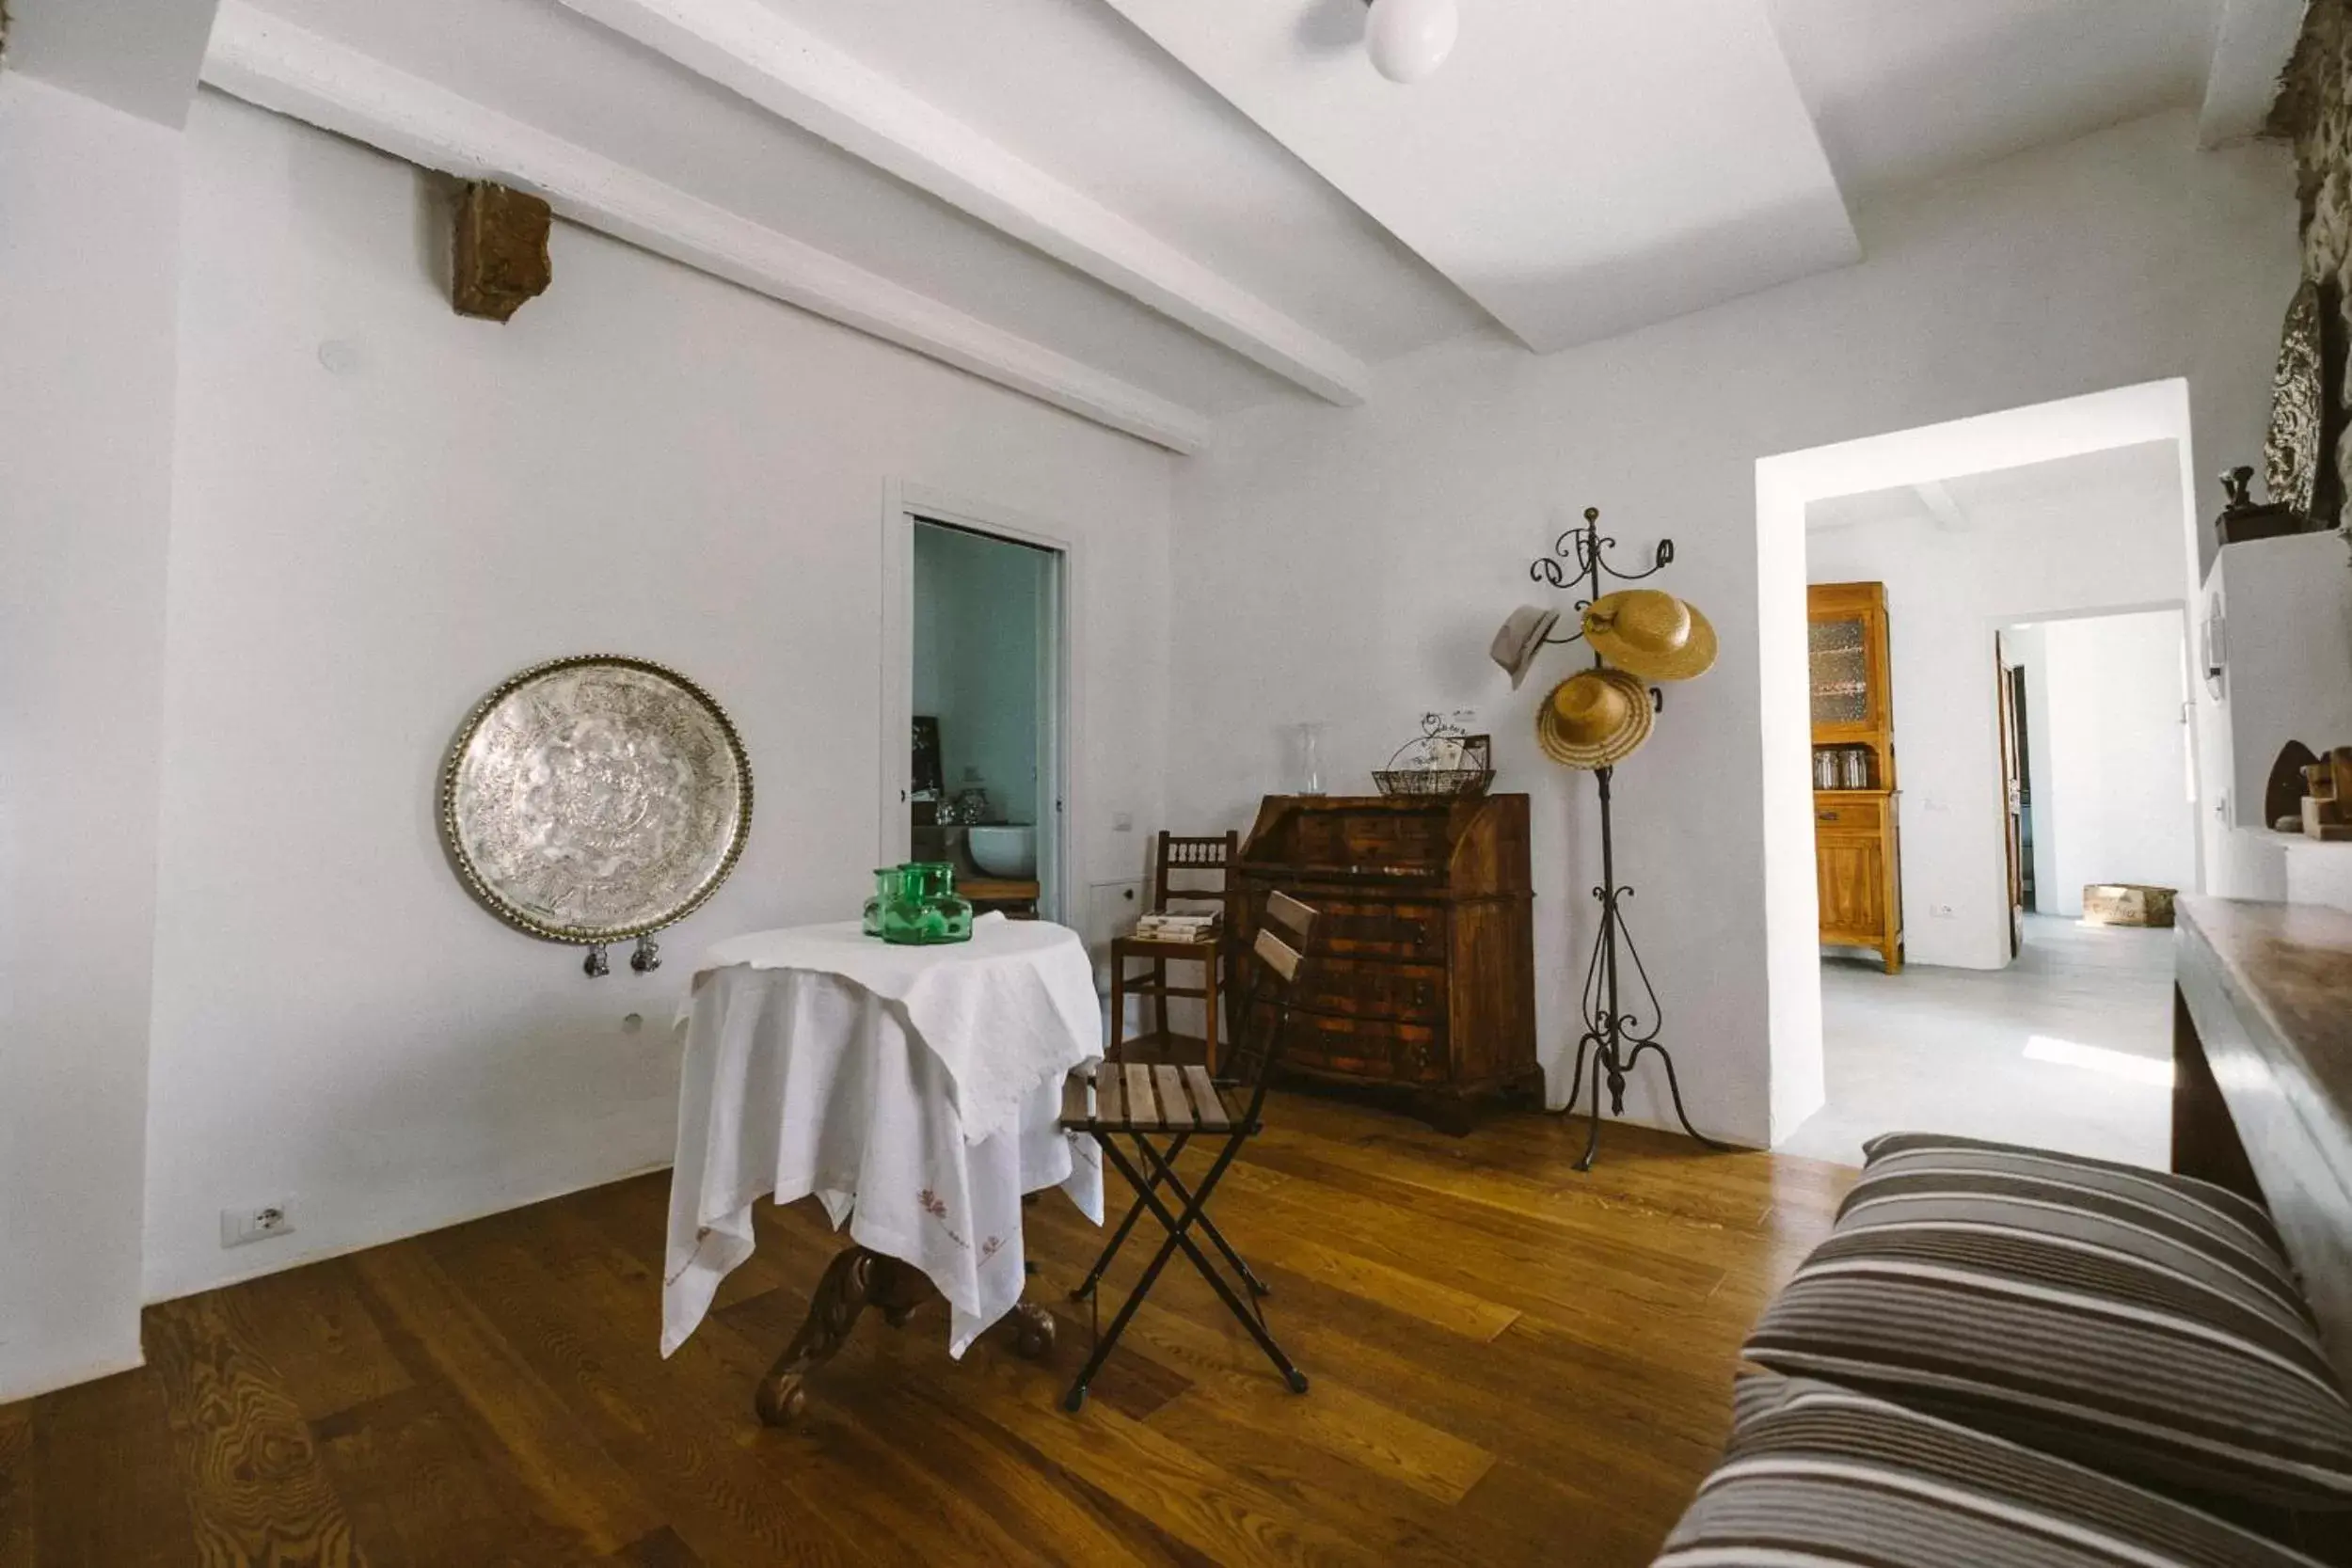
{"x":1615,"y":1035}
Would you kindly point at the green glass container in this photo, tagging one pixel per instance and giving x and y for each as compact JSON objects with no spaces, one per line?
{"x":886,"y":882}
{"x":924,"y":910}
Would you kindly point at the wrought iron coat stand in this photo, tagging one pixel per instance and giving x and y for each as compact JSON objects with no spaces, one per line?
{"x":1615,"y":1035}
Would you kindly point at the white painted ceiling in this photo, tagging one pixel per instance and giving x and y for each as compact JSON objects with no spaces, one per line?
{"x":2142,"y":480}
{"x":1903,"y":90}
{"x":1157,"y":211}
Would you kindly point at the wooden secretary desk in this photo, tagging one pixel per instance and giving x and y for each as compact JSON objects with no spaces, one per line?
{"x":1857,"y":847}
{"x":1424,"y":976}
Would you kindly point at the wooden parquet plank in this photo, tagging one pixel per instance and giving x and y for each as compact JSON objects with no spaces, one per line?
{"x":1230,"y":1373}
{"x":1512,"y":1362}
{"x":324,"y":1346}
{"x":18,"y":1494}
{"x":1218,"y":1513}
{"x":680,"y":1428}
{"x":421,"y":1495}
{"x":490,"y":1399}
{"x":92,"y":1448}
{"x":254,"y":1487}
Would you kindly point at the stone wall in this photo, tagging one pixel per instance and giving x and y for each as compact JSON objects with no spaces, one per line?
{"x":2314,"y":113}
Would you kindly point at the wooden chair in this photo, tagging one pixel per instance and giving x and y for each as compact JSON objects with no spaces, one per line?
{"x":1190,"y":858}
{"x":1142,"y":1103}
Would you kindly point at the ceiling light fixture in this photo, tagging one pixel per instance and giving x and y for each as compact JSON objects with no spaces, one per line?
{"x":1409,"y":39}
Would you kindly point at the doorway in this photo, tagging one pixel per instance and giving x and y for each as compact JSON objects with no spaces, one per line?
{"x":2010,"y":1019}
{"x":977,"y":698}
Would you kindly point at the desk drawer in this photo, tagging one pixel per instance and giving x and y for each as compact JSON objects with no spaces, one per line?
{"x":1378,"y":989}
{"x":1413,"y":932}
{"x":1378,"y":1051}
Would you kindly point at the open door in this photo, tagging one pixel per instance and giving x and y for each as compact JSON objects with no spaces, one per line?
{"x":2013,"y":797}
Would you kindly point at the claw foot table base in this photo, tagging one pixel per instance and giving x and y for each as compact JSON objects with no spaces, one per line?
{"x":854,"y":1281}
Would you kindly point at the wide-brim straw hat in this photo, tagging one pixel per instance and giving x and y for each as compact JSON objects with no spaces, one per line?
{"x":1650,"y":634}
{"x":1594,"y":718}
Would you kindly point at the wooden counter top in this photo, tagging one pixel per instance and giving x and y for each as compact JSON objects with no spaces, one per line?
{"x":2263,"y":1020}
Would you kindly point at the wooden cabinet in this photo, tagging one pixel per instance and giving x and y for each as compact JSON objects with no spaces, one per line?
{"x":1857,"y":836}
{"x":1425,"y":975}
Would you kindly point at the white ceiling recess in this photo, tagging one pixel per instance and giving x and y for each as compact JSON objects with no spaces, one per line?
{"x":1903,"y":92}
{"x":137,"y":55}
{"x":2141,"y":480}
{"x":1577,"y":169}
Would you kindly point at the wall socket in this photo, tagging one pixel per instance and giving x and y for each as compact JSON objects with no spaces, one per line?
{"x":240,"y":1226}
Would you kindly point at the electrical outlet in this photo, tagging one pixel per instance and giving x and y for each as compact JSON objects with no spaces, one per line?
{"x":1941,"y":911}
{"x":1122,"y":822}
{"x":240,"y":1226}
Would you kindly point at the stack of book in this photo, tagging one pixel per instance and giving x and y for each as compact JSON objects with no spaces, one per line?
{"x":1177,"y":927}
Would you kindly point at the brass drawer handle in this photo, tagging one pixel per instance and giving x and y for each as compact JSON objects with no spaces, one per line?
{"x":1828,"y":817}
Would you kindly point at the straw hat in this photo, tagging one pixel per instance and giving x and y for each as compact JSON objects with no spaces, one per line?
{"x":1650,"y":634}
{"x":1521,"y":639}
{"x":1594,"y":718}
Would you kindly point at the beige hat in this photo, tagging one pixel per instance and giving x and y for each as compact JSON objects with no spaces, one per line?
{"x":1516,"y":645}
{"x":1594,"y":718}
{"x":1650,"y":634}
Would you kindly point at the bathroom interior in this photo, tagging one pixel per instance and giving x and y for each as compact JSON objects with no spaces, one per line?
{"x":984,"y":622}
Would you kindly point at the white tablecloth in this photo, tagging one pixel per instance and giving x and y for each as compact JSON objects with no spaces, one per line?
{"x":821,"y":1061}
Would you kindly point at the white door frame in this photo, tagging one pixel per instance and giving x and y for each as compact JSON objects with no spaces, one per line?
{"x":1060,"y":807}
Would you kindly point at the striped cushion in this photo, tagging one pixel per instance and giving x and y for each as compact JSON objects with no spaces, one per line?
{"x":1817,"y":1477}
{"x":2130,"y":1319}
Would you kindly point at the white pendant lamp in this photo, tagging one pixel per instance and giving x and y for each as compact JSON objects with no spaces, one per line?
{"x":1409,"y":39}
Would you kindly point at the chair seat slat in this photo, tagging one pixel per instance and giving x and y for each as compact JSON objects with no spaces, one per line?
{"x":1073,"y":1098}
{"x":1109,"y":1098}
{"x":1206,"y":1100}
{"x":1141,"y":1112}
{"x":1174,"y":1111}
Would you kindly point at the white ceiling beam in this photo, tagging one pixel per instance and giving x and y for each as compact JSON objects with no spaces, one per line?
{"x":1948,"y":513}
{"x":2253,"y":41}
{"x":293,"y":72}
{"x":752,"y":50}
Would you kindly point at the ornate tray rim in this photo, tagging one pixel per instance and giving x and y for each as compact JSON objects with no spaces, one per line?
{"x":496,"y":903}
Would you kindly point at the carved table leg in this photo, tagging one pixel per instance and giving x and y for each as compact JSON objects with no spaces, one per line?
{"x":852,"y":1281}
{"x":1033,"y":1329}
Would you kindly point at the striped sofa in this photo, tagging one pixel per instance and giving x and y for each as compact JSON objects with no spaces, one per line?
{"x":2004,"y":1354}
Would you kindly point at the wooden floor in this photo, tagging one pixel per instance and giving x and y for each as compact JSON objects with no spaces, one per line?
{"x":1511,"y":1362}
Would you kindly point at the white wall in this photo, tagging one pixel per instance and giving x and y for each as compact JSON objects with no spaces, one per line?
{"x":1353,"y":564}
{"x":2287,"y":642}
{"x":88,"y":214}
{"x":2113,"y":776}
{"x":978,"y":610}
{"x":1947,"y":591}
{"x":645,"y":460}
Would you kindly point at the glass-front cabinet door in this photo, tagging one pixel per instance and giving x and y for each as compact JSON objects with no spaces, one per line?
{"x":1848,"y":674}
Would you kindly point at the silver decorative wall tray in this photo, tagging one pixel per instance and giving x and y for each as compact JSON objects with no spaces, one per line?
{"x":596,"y":799}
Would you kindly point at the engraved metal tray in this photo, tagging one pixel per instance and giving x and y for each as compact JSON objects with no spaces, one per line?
{"x":595,"y":799}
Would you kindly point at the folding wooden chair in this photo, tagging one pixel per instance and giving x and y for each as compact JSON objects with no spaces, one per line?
{"x":1142,"y":1103}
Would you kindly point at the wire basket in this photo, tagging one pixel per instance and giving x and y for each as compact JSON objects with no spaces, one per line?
{"x":1433,"y":780}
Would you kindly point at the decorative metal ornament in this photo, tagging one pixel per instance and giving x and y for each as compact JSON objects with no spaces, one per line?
{"x":2292,"y":449}
{"x":596,"y":799}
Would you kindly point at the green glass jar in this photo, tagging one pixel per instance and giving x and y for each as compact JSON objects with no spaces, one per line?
{"x":925,"y":908}
{"x":887,"y":881}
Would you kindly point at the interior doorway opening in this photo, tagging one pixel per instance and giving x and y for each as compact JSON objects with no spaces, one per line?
{"x":1999,"y":550}
{"x":977,"y":693}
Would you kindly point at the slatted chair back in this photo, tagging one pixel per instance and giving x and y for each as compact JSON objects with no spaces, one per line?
{"x":1279,"y":951}
{"x":1185,"y":868}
